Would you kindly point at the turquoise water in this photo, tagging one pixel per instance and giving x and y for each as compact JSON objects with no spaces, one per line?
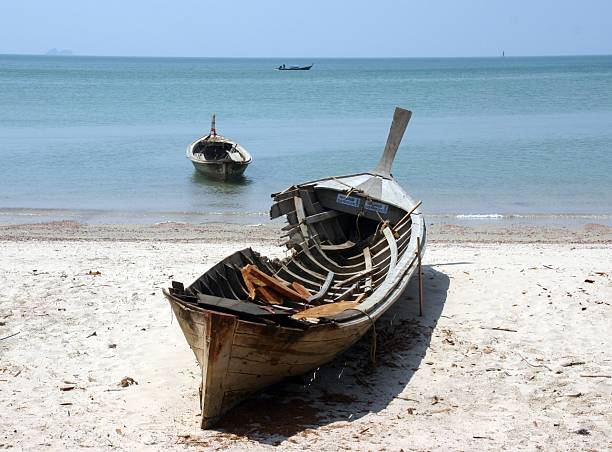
{"x":103,"y":139}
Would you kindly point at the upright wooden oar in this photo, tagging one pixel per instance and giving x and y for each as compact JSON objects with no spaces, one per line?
{"x":420,"y":277}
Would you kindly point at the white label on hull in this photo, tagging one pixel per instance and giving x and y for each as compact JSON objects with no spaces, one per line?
{"x":376,"y":206}
{"x":348,"y":200}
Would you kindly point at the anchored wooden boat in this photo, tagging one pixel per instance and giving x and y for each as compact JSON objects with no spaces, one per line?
{"x":294,"y":68}
{"x":252,"y":321}
{"x":218,"y":157}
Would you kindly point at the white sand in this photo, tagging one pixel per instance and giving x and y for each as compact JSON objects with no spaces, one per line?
{"x":475,"y":387}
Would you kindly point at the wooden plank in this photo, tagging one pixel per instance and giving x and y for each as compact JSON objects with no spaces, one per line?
{"x":321,"y":230}
{"x":324,"y":310}
{"x":316,"y":333}
{"x":249,"y":284}
{"x":297,"y":347}
{"x":277,"y":357}
{"x":268,"y":295}
{"x":245,"y":367}
{"x":281,"y":208}
{"x":301,"y":289}
{"x":322,"y":216}
{"x":274,"y":283}
{"x":217,"y":345}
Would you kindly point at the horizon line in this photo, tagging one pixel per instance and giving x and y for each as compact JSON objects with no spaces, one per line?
{"x":73,"y":55}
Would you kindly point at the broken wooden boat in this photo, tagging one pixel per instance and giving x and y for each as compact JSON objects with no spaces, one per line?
{"x":354,"y":241}
{"x":218,"y":157}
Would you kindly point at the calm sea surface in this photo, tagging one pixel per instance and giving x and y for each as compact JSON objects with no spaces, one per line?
{"x":103,"y":139}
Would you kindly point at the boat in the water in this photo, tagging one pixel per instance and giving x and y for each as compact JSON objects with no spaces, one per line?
{"x":282,"y":67}
{"x":218,"y":157}
{"x":251,"y":321}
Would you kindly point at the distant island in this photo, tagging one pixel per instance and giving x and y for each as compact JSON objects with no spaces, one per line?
{"x":56,"y":52}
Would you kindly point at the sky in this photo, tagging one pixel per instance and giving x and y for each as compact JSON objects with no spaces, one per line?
{"x":313,"y":28}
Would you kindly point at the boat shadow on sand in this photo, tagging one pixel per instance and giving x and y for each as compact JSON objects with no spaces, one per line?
{"x":351,"y":386}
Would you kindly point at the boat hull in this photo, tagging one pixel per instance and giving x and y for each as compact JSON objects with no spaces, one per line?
{"x":238,"y":357}
{"x":221,"y":171}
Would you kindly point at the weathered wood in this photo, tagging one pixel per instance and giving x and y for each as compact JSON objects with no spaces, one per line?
{"x":418,"y":251}
{"x":398,"y":127}
{"x":268,"y":295}
{"x":324,"y":288}
{"x":352,"y":241}
{"x":392,"y":248}
{"x":406,"y":217}
{"x":322,"y":216}
{"x":367,"y":258}
{"x":301,"y":289}
{"x":273,"y":283}
{"x":217,"y":348}
{"x":339,"y":247}
{"x":324,"y":310}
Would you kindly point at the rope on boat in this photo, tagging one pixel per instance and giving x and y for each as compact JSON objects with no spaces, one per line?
{"x":373,"y":342}
{"x":352,"y":189}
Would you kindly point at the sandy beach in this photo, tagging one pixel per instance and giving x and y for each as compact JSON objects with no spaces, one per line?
{"x":512,"y":352}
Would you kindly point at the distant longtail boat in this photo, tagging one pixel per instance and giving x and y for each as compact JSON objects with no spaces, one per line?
{"x":294,"y":68}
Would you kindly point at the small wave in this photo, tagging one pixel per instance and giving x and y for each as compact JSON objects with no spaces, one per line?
{"x":524,"y":216}
{"x":480,"y":216}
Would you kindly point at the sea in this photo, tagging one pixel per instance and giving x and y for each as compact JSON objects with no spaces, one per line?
{"x":103,"y":139}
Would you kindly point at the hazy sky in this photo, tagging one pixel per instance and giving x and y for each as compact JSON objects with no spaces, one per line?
{"x":311,"y":28}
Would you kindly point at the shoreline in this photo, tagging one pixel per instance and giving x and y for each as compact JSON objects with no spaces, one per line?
{"x":269,"y":233}
{"x":29,"y":215}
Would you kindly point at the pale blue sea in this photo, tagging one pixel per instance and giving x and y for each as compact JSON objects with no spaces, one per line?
{"x":102,"y":139}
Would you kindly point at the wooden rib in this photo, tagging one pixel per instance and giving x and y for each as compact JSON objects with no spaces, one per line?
{"x":338,"y":247}
{"x":302,"y":268}
{"x":320,"y":229}
{"x":324,"y":288}
{"x":393,"y":247}
{"x":382,"y":243}
{"x":347,"y":293}
{"x":301,"y":215}
{"x":368,"y":265}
